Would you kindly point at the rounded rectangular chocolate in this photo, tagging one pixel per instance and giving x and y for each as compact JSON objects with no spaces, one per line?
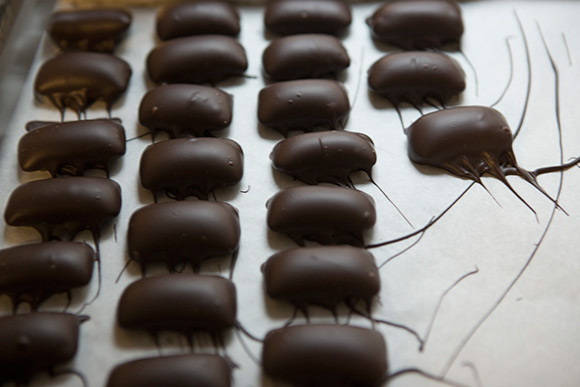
{"x":197,"y":59}
{"x":176,"y":371}
{"x":182,"y":109}
{"x":325,"y":355}
{"x":304,"y":105}
{"x":328,"y":215}
{"x":89,"y":29}
{"x":185,"y":303}
{"x":191,"y":166}
{"x":71,"y":147}
{"x":304,"y":56}
{"x":289,"y":17}
{"x":197,"y":18}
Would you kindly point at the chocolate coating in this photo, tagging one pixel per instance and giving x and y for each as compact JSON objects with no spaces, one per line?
{"x":328,"y":215}
{"x":197,"y":18}
{"x":60,"y":208}
{"x":71,"y":147}
{"x":324,"y":275}
{"x":189,"y":231}
{"x":89,"y":29}
{"x":36,"y":342}
{"x":186,"y":110}
{"x":417,"y":24}
{"x":176,"y":371}
{"x":325,"y":355}
{"x":415,"y":76}
{"x":191,"y":166}
{"x":32,"y":273}
{"x":304,"y":56}
{"x":197,"y":59}
{"x":78,"y":79}
{"x":324,"y":157}
{"x":289,"y":17}
{"x":303,"y":105}
{"x":185,"y":303}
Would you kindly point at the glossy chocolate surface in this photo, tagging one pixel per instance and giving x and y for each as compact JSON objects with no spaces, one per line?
{"x":328,"y":215}
{"x":197,"y":18}
{"x":415,"y":76}
{"x":324,"y":275}
{"x":304,"y":105}
{"x":186,"y":231}
{"x":325,"y":355}
{"x":183,"y":109}
{"x":417,"y":24}
{"x":184,"y":303}
{"x":60,"y":208}
{"x":324,"y":157}
{"x":71,"y":147}
{"x":289,"y":17}
{"x":78,"y":79}
{"x":197,"y":59}
{"x":89,"y":29}
{"x":176,"y":371}
{"x":304,"y":56}
{"x":191,"y":166}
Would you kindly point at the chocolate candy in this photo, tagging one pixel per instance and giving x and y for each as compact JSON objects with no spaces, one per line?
{"x":185,"y":110}
{"x":176,"y":371}
{"x":303,"y":105}
{"x":32,"y":273}
{"x":89,"y":29}
{"x":304,"y":56}
{"x":71,"y":147}
{"x":191,"y":166}
{"x":185,"y":303}
{"x":78,"y":79}
{"x":324,"y":275}
{"x":36,"y":342}
{"x":289,"y":17}
{"x":415,"y":76}
{"x":324,"y":157}
{"x":325,"y":355}
{"x":198,"y":59}
{"x":197,"y":18}
{"x":60,"y":208}
{"x":189,"y":231}
{"x":417,"y":24}
{"x":328,"y":215}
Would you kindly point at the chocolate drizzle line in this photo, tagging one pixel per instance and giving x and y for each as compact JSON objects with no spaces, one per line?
{"x":511,"y":76}
{"x":529,"y":68}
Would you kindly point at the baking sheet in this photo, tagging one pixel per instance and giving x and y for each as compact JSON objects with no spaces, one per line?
{"x":513,"y":323}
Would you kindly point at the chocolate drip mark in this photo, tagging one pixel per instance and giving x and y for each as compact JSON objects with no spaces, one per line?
{"x":474,"y":371}
{"x":511,"y":76}
{"x":529,"y":68}
{"x":424,"y":374}
{"x":567,"y":49}
{"x":473,"y":70}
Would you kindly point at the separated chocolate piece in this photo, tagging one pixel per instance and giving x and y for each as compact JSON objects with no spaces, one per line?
{"x":185,"y":110}
{"x":304,"y":56}
{"x":324,"y":157}
{"x":36,"y":342}
{"x":303,"y":105}
{"x":71,"y":147}
{"x":289,"y":17}
{"x":325,"y":355}
{"x":197,"y":18}
{"x":328,"y":215}
{"x":78,"y":79}
{"x":189,"y":231}
{"x":323,"y":275}
{"x":89,"y":29}
{"x":32,"y":273}
{"x":191,"y":166}
{"x":60,"y":208}
{"x":198,"y":59}
{"x":176,"y":371}
{"x":185,"y":303}
{"x":415,"y":76}
{"x":417,"y":24}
